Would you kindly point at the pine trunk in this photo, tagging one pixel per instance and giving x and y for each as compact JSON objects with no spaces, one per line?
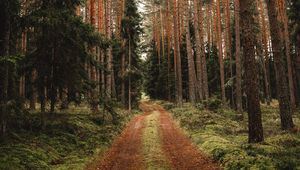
{"x":248,"y":23}
{"x":287,"y":53}
{"x":239,"y":104}
{"x":198,"y":52}
{"x":191,"y":64}
{"x":281,"y":77}
{"x":109,"y":79}
{"x":177,"y":57}
{"x":265,"y":51}
{"x":220,"y":50}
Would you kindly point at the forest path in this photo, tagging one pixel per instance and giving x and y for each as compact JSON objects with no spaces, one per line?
{"x":153,"y":141}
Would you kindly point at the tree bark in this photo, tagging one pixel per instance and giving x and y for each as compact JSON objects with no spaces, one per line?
{"x":248,"y":10}
{"x":239,"y":104}
{"x":109,"y":79}
{"x":191,"y":63}
{"x":198,"y":52}
{"x":284,"y":20}
{"x":265,"y":50}
{"x":177,"y":56}
{"x":220,"y":49}
{"x":281,"y":77}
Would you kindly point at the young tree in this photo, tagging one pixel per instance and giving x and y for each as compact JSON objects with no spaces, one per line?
{"x":131,"y":31}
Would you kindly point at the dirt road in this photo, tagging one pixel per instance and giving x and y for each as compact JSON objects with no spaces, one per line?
{"x":172,"y":148}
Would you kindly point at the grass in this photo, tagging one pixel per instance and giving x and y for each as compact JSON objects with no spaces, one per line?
{"x":69,"y":140}
{"x":152,"y":149}
{"x":222,"y":134}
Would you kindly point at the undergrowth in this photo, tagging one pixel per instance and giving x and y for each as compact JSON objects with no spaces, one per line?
{"x":221,"y":133}
{"x":68,"y":140}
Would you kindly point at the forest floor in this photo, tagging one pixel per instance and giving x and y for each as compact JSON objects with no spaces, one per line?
{"x":208,"y":135}
{"x":153,"y":141}
{"x":70,"y":138}
{"x":222,"y":133}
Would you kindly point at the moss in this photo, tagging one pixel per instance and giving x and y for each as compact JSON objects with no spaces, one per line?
{"x":222,"y":134}
{"x":69,"y":140}
{"x":152,"y":148}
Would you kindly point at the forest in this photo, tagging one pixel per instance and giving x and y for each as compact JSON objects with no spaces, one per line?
{"x":149,"y":84}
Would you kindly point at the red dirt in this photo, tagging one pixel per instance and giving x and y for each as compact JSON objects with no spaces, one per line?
{"x":179,"y":149}
{"x":126,"y":152}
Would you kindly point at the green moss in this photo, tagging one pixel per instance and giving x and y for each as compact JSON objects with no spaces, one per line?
{"x":152,"y":148}
{"x":222,"y":134}
{"x":69,"y":140}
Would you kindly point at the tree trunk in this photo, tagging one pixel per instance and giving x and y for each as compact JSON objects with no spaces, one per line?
{"x":208,"y":25}
{"x":281,"y":77}
{"x":4,"y":51}
{"x":297,"y":65}
{"x":239,"y":104}
{"x":109,"y":80}
{"x":198,"y":52}
{"x":228,"y":44}
{"x":22,"y":78}
{"x":284,"y":20}
{"x":220,"y":49}
{"x":265,"y":51}
{"x":251,"y":71}
{"x":191,"y":64}
{"x":123,"y":95}
{"x":94,"y":92}
{"x":168,"y":23}
{"x":129,"y":79}
{"x":177,"y":57}
{"x":33,"y":97}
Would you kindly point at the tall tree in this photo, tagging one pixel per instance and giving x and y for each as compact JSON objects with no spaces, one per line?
{"x":281,"y":76}
{"x":94,"y":94}
{"x":286,"y":38}
{"x":191,"y":63}
{"x":5,"y":19}
{"x":131,"y":31}
{"x":177,"y":57}
{"x":199,"y":51}
{"x":248,"y":11}
{"x":109,"y":78}
{"x":265,"y":56}
{"x":220,"y":49}
{"x":238,"y":57}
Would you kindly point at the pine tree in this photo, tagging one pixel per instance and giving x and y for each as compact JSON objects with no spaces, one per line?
{"x":131,"y":31}
{"x":281,"y":77}
{"x":239,"y":104}
{"x":248,"y":11}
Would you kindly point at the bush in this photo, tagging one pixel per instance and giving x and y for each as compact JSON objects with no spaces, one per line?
{"x":212,"y":104}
